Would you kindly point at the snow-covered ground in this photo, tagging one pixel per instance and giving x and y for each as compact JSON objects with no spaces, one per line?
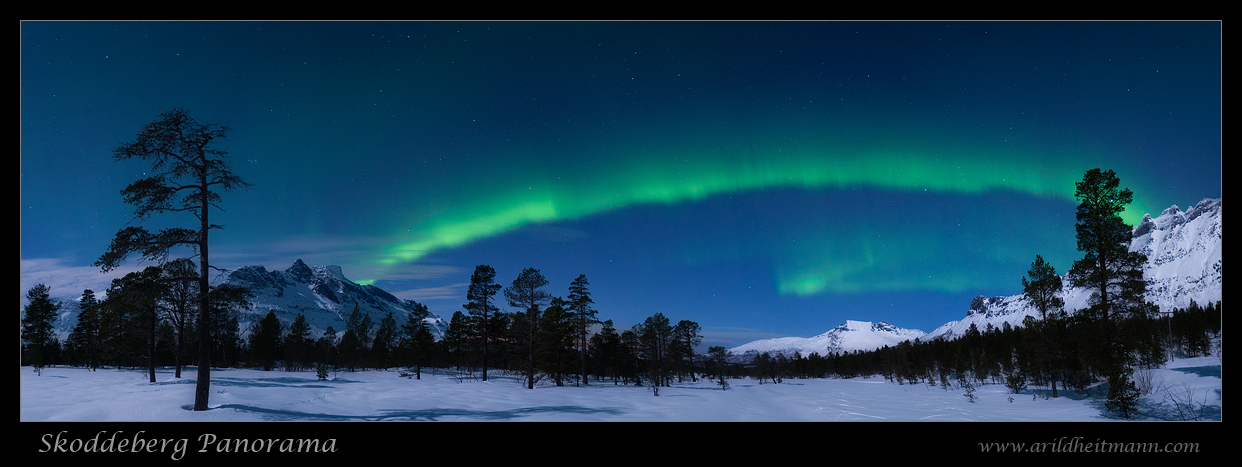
{"x":74,"y":394}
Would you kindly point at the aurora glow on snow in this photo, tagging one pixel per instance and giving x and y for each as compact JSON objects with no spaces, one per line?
{"x":769,"y":178}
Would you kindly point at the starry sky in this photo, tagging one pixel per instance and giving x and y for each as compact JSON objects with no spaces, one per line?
{"x":763,"y":179}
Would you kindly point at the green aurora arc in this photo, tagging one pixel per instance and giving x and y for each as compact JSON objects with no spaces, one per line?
{"x":546,"y":194}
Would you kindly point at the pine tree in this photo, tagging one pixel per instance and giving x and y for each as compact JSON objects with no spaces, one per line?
{"x":265,"y":340}
{"x":1123,"y":394}
{"x":37,"y":325}
{"x":178,"y":305}
{"x":86,"y":334}
{"x":224,"y":341}
{"x":685,"y":338}
{"x":456,"y":338}
{"x":417,"y":342}
{"x":298,"y":345}
{"x":527,"y":294}
{"x":187,"y":172}
{"x":480,"y":305}
{"x":606,"y":351}
{"x":584,"y":316}
{"x":385,"y":341}
{"x":325,"y":349}
{"x":556,"y":338}
{"x":656,"y":339}
{"x":1108,"y":268}
{"x":1042,"y":286}
{"x":135,"y":297}
{"x":719,"y":357}
{"x":356,"y":342}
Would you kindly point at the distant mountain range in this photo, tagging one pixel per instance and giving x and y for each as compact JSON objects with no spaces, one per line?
{"x":848,"y":337}
{"x":1183,"y":264}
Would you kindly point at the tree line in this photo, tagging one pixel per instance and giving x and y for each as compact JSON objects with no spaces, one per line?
{"x":148,"y":321}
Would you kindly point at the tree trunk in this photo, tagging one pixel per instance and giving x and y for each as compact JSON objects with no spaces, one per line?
{"x":202,"y":389}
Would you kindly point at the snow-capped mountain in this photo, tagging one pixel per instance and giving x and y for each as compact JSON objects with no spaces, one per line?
{"x":1183,"y":264}
{"x":848,"y":337}
{"x":322,"y":294}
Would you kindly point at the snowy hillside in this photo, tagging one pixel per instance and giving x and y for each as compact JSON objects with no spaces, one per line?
{"x":1183,"y":264}
{"x":848,"y":337}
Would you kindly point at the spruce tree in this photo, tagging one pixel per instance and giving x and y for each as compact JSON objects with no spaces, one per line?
{"x":265,"y":340}
{"x":37,"y":327}
{"x":86,"y":333}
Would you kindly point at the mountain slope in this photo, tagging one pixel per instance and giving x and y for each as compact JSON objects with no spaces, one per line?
{"x":1183,"y":264}
{"x":322,"y":294}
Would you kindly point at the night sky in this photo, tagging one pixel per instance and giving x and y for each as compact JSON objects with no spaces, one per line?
{"x":763,"y":179}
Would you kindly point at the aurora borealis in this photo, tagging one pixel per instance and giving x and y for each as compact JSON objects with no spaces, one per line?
{"x":761,"y":178}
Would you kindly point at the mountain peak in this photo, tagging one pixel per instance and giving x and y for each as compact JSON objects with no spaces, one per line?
{"x":847,"y":337}
{"x":300,"y":271}
{"x":320,"y":293}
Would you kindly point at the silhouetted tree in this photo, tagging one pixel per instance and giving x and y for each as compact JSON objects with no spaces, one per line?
{"x":86,"y":333}
{"x":37,"y":325}
{"x":527,"y":294}
{"x":298,"y":345}
{"x":134,"y":298}
{"x":385,"y":342}
{"x":584,"y":316}
{"x":187,"y":174}
{"x":1108,"y":267}
{"x":480,"y":305}
{"x":418,"y":342}
{"x":179,"y":305}
{"x":265,"y":339}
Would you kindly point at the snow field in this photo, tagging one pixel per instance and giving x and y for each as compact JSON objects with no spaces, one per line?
{"x":75,"y":394}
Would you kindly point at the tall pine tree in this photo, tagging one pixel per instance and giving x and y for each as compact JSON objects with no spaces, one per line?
{"x":527,"y":294}
{"x":417,"y":342}
{"x":1042,"y":287}
{"x":187,"y":175}
{"x":584,"y":316}
{"x":86,"y":334}
{"x":37,"y":320}
{"x":1111,"y":271}
{"x":481,"y":307}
